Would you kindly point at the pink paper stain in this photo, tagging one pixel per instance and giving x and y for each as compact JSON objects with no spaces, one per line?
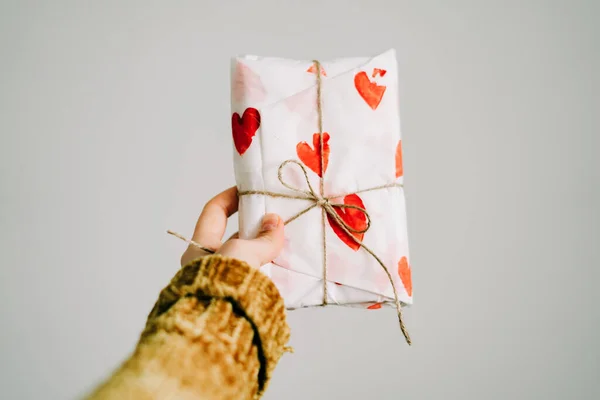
{"x":335,"y":268}
{"x":380,"y":278}
{"x":246,"y":85}
{"x":293,"y":176}
{"x":282,"y":260}
{"x":282,"y":281}
{"x":303,"y":103}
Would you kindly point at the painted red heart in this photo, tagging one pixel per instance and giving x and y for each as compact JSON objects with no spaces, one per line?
{"x":312,"y":157}
{"x":378,"y":71}
{"x":312,"y":70}
{"x":405,"y":274}
{"x":375,"y":306}
{"x":371,"y":92}
{"x":399,"y":169}
{"x":353,"y":218}
{"x":244,"y":128}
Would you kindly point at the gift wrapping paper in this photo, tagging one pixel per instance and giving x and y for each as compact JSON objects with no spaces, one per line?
{"x":275,"y":118}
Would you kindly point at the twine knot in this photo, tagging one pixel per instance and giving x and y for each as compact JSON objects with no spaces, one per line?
{"x":318,"y":199}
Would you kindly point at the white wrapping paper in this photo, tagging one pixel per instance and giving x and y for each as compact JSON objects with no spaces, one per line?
{"x":274,"y":119}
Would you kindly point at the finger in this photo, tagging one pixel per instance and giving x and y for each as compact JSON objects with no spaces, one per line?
{"x":269,"y":242}
{"x":261,"y":250}
{"x":212,"y":222}
{"x":192,"y":253}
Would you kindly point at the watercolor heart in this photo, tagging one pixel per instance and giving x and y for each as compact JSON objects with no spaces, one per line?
{"x":244,"y":128}
{"x":371,"y":92}
{"x":399,"y":169}
{"x":353,"y":218}
{"x":246,"y":85}
{"x":312,"y":157}
{"x":377,"y":71}
{"x":312,"y":70}
{"x":375,"y":306}
{"x":303,"y":103}
{"x":405,"y":274}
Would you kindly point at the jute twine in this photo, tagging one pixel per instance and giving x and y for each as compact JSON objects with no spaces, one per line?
{"x":327,"y":209}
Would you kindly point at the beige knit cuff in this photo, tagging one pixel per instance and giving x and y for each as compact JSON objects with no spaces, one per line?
{"x":252,"y":294}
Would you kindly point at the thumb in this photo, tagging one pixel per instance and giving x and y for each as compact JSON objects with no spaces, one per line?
{"x":269,"y":242}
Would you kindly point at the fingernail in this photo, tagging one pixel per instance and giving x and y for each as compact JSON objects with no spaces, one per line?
{"x":270,"y":222}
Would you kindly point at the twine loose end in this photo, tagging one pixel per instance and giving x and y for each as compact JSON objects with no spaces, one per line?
{"x":191,"y":242}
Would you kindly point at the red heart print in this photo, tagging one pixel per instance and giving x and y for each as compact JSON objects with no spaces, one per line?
{"x":405,"y":274}
{"x":375,"y":306}
{"x":399,"y":169}
{"x":377,"y":71}
{"x":312,"y":70}
{"x":244,"y":128}
{"x":371,"y":92}
{"x":312,"y":157}
{"x":353,"y":218}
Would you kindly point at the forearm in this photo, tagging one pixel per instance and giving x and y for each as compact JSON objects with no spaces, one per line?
{"x":217,"y":332}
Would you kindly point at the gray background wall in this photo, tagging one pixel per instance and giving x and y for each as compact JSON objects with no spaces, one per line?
{"x":114,"y":123}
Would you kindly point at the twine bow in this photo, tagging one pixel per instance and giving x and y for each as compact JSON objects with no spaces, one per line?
{"x":328,"y":207}
{"x":318,"y":199}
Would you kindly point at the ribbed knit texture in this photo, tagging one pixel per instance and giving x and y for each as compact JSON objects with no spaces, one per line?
{"x":217,"y":331}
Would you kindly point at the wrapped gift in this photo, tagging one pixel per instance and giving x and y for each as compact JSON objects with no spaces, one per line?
{"x":318,"y":142}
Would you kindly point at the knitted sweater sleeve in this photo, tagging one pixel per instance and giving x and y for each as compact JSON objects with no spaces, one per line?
{"x":217,"y":331}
